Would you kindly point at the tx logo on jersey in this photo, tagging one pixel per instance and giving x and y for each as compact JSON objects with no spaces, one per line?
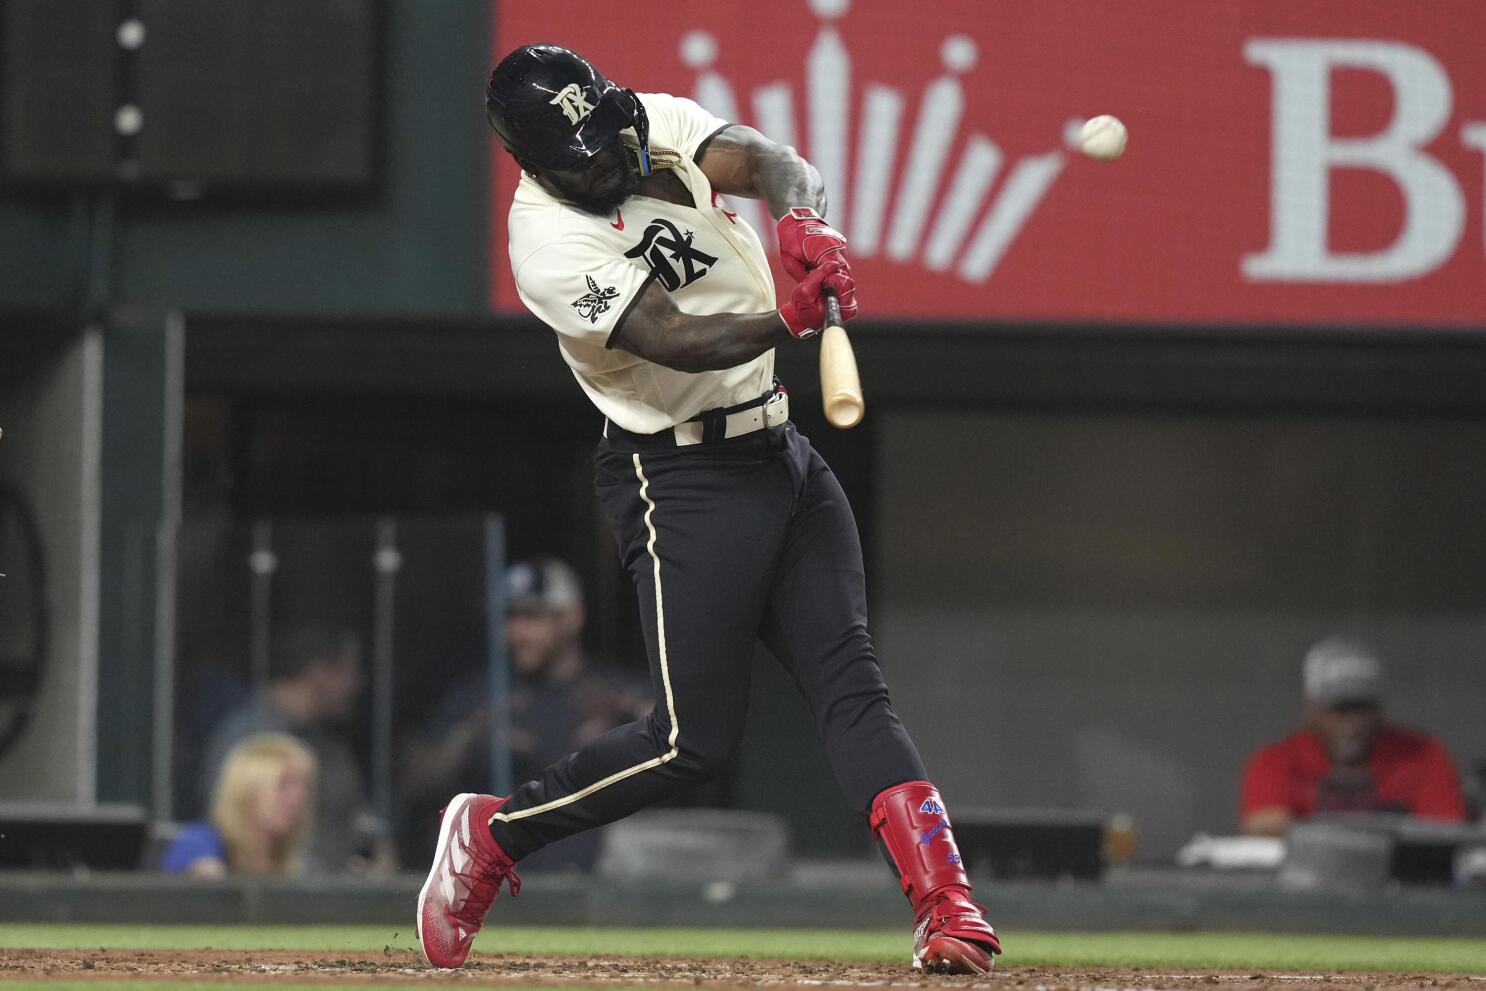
{"x":595,"y":302}
{"x":671,"y":255}
{"x":572,"y":102}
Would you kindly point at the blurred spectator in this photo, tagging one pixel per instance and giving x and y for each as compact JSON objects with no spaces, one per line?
{"x":1347,"y":759}
{"x":560,"y":699}
{"x":260,"y":813}
{"x":316,"y":677}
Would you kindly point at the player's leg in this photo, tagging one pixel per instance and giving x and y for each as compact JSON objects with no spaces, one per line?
{"x":699,"y":535}
{"x":816,"y":624}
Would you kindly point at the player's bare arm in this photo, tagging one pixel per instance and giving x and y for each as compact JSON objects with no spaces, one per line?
{"x":740,"y":161}
{"x":657,"y":331}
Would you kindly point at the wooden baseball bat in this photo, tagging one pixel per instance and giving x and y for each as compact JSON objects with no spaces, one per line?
{"x":840,"y":385}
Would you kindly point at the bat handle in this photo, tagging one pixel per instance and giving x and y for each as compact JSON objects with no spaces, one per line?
{"x":833,"y":308}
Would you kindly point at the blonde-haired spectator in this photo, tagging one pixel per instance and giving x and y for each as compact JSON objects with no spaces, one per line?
{"x":260,"y":813}
{"x":316,"y":676}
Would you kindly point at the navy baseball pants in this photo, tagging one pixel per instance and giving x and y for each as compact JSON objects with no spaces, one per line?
{"x":728,"y":543}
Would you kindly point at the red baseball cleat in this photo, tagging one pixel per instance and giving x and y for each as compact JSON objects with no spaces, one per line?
{"x":952,"y":935}
{"x":468,"y":868}
{"x":955,"y":938}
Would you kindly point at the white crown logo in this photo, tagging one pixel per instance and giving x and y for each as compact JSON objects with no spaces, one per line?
{"x":859,"y":200}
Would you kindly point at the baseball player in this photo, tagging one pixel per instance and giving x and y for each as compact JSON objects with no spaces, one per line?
{"x":730,"y":524}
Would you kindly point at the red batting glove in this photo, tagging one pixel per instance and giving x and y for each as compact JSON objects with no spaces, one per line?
{"x":805,"y":313}
{"x":805,"y":241}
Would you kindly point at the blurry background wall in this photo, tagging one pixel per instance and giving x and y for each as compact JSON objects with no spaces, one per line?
{"x":50,"y":408}
{"x":1108,"y":610}
{"x":409,"y":239}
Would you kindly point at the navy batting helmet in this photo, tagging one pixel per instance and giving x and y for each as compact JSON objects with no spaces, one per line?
{"x":551,"y":107}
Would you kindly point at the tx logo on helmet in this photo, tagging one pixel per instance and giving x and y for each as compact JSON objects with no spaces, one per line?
{"x":572,"y":102}
{"x":664,"y":244}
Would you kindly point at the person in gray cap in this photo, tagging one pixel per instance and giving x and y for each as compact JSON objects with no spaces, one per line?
{"x":544,"y":619}
{"x":1347,"y":759}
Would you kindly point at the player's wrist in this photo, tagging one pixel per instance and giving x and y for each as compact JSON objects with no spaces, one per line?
{"x":796,"y":222}
{"x":799,"y":213}
{"x":797,"y":323}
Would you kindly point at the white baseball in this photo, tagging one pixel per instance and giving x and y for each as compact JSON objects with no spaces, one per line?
{"x":1103,"y":138}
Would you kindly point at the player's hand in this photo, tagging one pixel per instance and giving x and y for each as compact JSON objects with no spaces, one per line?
{"x":805,"y":312}
{"x":805,"y":241}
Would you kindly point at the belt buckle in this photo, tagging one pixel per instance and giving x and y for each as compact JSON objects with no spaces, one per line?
{"x":776,"y":410}
{"x":770,"y":414}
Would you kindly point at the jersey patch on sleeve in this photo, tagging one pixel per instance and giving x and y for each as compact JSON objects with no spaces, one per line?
{"x":596,"y":302}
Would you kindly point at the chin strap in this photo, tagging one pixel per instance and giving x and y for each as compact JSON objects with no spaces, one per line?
{"x":641,"y":124}
{"x":651,"y":156}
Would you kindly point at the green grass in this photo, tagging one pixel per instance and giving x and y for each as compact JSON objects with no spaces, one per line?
{"x":1157,"y":951}
{"x":196,"y":986}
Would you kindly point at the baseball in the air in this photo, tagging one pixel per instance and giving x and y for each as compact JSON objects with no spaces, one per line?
{"x":1103,"y":138}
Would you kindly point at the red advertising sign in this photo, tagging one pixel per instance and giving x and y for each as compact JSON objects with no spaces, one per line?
{"x":1290,"y":161}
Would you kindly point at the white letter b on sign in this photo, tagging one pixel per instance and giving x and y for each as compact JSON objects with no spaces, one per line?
{"x":1305,"y":153}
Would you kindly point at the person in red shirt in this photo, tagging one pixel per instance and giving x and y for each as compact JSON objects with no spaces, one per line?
{"x":1347,"y":759}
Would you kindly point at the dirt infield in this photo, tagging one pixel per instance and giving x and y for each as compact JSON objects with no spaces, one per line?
{"x":403,"y":966}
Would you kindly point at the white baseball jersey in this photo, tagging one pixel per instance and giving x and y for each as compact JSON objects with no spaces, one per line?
{"x":581,"y":274}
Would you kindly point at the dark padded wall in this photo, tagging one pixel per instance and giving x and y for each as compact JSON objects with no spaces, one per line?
{"x":1109,"y":610}
{"x":414,"y":246}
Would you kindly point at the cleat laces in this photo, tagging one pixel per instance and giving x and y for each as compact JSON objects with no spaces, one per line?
{"x":483,"y":876}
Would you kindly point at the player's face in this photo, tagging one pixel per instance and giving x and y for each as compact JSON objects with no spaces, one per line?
{"x":599,"y":185}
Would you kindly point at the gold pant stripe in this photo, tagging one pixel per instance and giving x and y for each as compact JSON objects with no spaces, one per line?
{"x":665,"y":677}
